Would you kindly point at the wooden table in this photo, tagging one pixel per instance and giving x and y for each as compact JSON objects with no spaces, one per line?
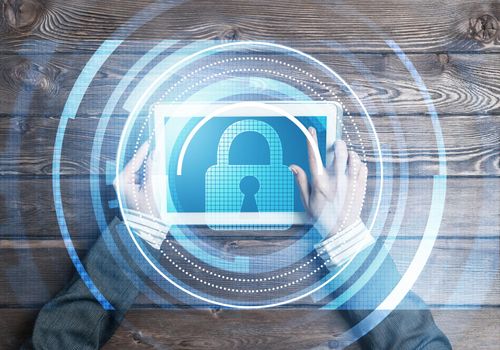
{"x":454,"y":45}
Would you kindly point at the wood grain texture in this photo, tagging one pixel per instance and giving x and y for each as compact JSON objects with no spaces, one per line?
{"x":38,"y":84}
{"x":459,"y":325}
{"x":27,"y":208}
{"x":469,"y":329}
{"x":459,"y":273}
{"x":231,"y":330}
{"x":265,"y":329}
{"x":472,"y":145}
{"x":16,"y":326}
{"x":454,"y":45}
{"x":420,"y":26}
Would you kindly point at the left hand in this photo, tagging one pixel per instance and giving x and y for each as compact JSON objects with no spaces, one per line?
{"x":139,"y":197}
{"x":138,"y":194}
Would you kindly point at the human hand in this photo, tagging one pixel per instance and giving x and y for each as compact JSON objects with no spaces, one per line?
{"x":334,"y":196}
{"x":137,"y":189}
{"x":137,"y":193}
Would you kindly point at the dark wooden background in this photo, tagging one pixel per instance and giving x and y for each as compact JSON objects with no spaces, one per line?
{"x":455,"y":46}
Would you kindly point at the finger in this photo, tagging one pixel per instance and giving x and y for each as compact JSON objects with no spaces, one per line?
{"x":149,"y":178}
{"x":362,"y":176}
{"x":129,"y":172}
{"x":302,"y":183}
{"x":361,"y":187}
{"x":315,"y":164}
{"x":330,"y":154}
{"x":147,"y":172}
{"x":340,"y":159}
{"x":353,"y":164}
{"x":137,"y":160}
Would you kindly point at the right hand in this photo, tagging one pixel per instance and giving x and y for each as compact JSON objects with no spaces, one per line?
{"x":334,"y":196}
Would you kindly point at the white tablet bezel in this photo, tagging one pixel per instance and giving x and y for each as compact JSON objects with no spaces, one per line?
{"x":331,"y":110}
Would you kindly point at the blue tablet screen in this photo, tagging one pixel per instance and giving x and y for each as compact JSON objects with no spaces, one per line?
{"x":188,"y":190}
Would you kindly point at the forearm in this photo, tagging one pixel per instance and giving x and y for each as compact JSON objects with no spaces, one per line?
{"x":410,"y":326}
{"x":74,"y":319}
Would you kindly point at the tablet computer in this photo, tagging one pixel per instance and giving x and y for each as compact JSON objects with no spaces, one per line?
{"x":187,"y":140}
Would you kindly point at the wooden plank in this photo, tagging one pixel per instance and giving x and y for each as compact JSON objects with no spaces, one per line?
{"x":472,"y":145}
{"x":261,"y":329}
{"x":466,"y":329}
{"x":460,"y":273}
{"x":27,"y":209}
{"x":32,"y":275}
{"x":34,"y":84}
{"x":223,"y":329}
{"x":469,"y":329}
{"x":17,"y":326}
{"x":420,"y":26}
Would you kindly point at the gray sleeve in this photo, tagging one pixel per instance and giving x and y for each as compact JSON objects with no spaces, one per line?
{"x":401,"y":330}
{"x":74,"y":319}
{"x":411,"y":326}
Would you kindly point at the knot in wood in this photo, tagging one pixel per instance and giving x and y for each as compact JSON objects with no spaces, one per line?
{"x":214,"y":311}
{"x":137,"y":337}
{"x":333,"y":344}
{"x":483,"y":28}
{"x":31,"y":77}
{"x":23,"y":127}
{"x":22,"y":15}
{"x":230,"y":34}
{"x":443,"y":58}
{"x":231,"y":245}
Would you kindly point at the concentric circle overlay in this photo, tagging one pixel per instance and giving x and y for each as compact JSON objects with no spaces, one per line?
{"x":157,"y":83}
{"x":405,"y":284}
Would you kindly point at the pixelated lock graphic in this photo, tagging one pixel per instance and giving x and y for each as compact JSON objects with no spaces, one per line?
{"x":268,"y":188}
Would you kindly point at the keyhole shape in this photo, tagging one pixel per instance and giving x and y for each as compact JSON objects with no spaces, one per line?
{"x":249,"y":186}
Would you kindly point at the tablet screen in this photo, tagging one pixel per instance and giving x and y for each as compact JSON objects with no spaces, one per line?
{"x":187,"y":191}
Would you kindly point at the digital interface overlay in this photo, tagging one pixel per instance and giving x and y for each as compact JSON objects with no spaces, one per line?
{"x":248,"y":148}
{"x":209,"y":72}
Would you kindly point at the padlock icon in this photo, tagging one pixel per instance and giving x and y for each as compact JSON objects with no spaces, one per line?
{"x":269,"y":187}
